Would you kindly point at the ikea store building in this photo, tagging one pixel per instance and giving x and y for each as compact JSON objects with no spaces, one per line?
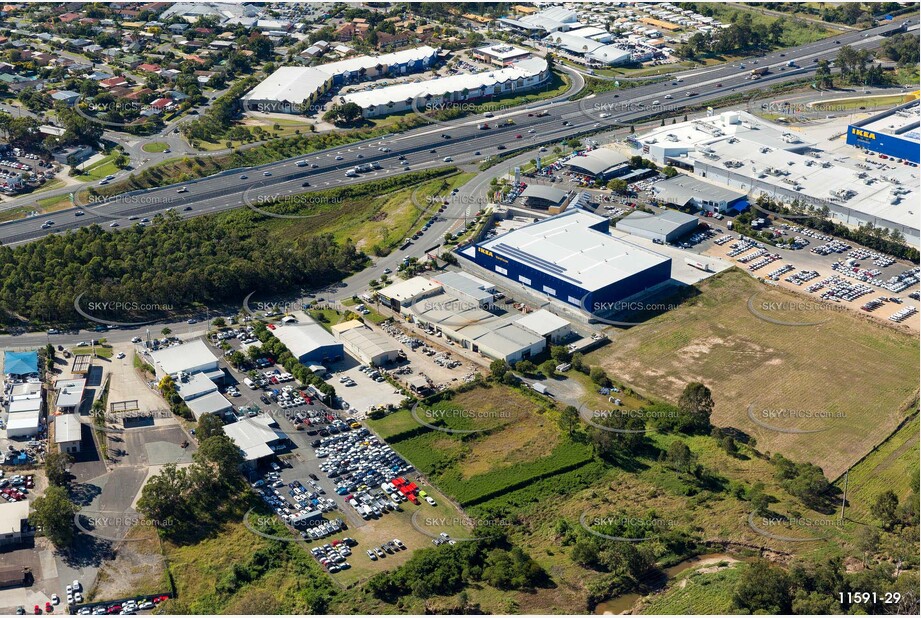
{"x":572,"y":258}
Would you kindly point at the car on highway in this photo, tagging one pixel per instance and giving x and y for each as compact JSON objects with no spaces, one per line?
{"x":447,"y":159}
{"x":113,"y":224}
{"x":145,"y":220}
{"x":79,"y":213}
{"x":306,"y":183}
{"x":432,"y":151}
{"x":183,"y":190}
{"x":668,"y":96}
{"x":338,"y":157}
{"x":501,"y":147}
{"x":360,"y":156}
{"x":266,"y":173}
{"x":187,"y":208}
{"x":565,"y":123}
{"x":244,"y":177}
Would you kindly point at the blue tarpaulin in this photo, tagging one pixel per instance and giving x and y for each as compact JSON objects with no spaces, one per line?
{"x":20,"y":363}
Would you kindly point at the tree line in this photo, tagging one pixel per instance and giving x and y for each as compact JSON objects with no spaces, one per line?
{"x":163,"y":268}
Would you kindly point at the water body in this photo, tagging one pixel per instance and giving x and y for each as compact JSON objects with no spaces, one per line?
{"x":625,"y":602}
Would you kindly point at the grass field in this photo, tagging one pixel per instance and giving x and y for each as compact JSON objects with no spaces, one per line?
{"x":155,"y":147}
{"x":99,"y":170}
{"x":102,"y":351}
{"x":382,"y":221}
{"x":796,"y":372}
{"x":707,"y":591}
{"x":894,"y":465}
{"x":886,"y":100}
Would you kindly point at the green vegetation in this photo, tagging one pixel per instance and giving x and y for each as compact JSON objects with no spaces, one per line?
{"x":54,"y":513}
{"x":714,"y":336}
{"x":155,"y":147}
{"x":708,"y":592}
{"x":747,"y":32}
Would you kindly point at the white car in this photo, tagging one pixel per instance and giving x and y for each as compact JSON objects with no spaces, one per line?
{"x":55,"y":599}
{"x":431,"y":501}
{"x":135,"y":340}
{"x":77,"y":586}
{"x":78,"y":597}
{"x":113,"y":224}
{"x":120,"y":355}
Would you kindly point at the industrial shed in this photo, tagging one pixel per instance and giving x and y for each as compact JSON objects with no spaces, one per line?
{"x":666,"y":227}
{"x":368,"y":346}
{"x":309,"y":342}
{"x":602,"y":163}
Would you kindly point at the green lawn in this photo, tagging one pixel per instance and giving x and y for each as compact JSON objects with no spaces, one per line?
{"x":102,"y":351}
{"x":155,"y":147}
{"x":99,"y":170}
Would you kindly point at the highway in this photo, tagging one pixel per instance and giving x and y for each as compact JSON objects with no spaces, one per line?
{"x":227,"y":190}
{"x":464,"y":143}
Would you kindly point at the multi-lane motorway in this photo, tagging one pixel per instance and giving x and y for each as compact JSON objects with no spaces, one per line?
{"x":461,"y":140}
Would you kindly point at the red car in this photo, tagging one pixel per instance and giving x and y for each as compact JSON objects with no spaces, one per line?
{"x":37,"y":610}
{"x":271,"y":326}
{"x":518,"y":136}
{"x":48,"y":607}
{"x":160,"y":599}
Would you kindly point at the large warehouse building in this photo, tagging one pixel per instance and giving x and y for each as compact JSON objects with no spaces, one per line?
{"x":292,"y":90}
{"x":435,"y":94}
{"x":572,"y":258}
{"x":738,"y":151}
{"x":683,"y":191}
{"x":893,"y":133}
{"x":369,"y":346}
{"x":309,"y":342}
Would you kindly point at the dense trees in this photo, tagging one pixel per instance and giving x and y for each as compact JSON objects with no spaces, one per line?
{"x":449,"y":569}
{"x":763,"y":588}
{"x":805,"y":481}
{"x":168,"y":265}
{"x":902,"y":48}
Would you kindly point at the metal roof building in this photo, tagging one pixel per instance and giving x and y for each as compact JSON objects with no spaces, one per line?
{"x":211,"y":403}
{"x":572,"y":257}
{"x":190,"y":357}
{"x":404,"y":293}
{"x":68,"y":432}
{"x":543,"y":196}
{"x":309,"y":342}
{"x":682,"y":190}
{"x":256,"y":438}
{"x":369,"y":346}
{"x":519,"y":76}
{"x":70,"y":394}
{"x":23,"y":424}
{"x":550,"y":326}
{"x":601,"y":163}
{"x":293,"y":89}
{"x":665,"y":227}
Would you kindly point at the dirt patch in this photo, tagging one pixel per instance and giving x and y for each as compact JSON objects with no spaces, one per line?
{"x":138,"y":568}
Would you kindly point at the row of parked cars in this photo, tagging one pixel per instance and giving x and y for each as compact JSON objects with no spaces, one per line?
{"x":390,"y":547}
{"x":333,"y":556}
{"x":126,"y":608}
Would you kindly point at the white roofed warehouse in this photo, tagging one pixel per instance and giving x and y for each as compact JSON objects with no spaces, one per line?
{"x":572,"y":258}
{"x":368,"y":346}
{"x":293,"y":90}
{"x":601,"y":164}
{"x":309,"y":342}
{"x":441,"y":92}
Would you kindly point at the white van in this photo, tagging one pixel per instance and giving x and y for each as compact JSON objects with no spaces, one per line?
{"x":250,"y":383}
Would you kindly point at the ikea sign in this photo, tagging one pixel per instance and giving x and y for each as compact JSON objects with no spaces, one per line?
{"x":863,"y":134}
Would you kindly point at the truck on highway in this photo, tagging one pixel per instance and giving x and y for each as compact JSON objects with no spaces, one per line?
{"x":483,"y":126}
{"x":542,"y":113}
{"x":352,"y":172}
{"x":302,"y":163}
{"x":759,"y":71}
